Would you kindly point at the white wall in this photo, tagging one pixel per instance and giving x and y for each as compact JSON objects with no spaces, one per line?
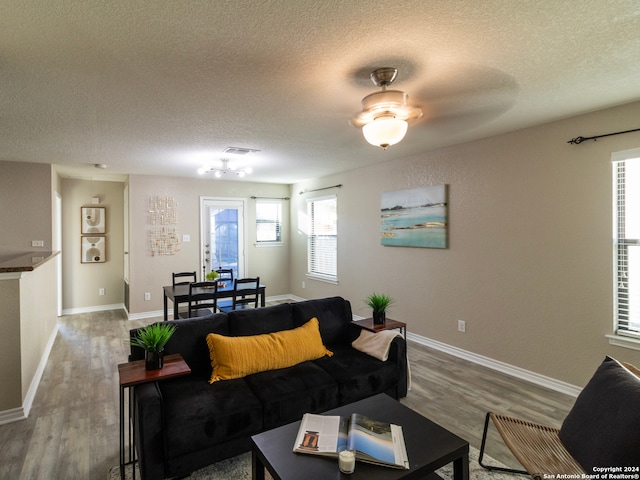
{"x":38,"y":320}
{"x":529,"y":266}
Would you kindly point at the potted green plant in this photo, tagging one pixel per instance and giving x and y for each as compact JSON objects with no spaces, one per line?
{"x":379,"y":302}
{"x":211,"y":276}
{"x":153,"y":339}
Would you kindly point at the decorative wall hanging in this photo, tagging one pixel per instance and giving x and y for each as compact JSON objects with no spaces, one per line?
{"x":163,"y":212}
{"x":164,"y":241}
{"x":93,"y":249}
{"x":94,"y":220}
{"x":415,"y":217}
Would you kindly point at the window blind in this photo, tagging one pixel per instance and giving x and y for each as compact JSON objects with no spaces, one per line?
{"x":626,"y":175}
{"x":323,"y":237}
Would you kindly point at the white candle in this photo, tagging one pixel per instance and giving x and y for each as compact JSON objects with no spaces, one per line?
{"x":347,"y":461}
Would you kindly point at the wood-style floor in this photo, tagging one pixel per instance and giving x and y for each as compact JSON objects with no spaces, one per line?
{"x":72,"y":429}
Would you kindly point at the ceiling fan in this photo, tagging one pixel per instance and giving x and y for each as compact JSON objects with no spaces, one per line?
{"x":385,"y":115}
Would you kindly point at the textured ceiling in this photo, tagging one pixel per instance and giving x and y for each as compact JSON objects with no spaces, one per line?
{"x":161,"y":87}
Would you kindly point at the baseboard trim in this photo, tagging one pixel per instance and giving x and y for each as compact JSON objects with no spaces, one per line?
{"x":143,"y":315}
{"x":279,"y":298}
{"x":21,"y":413}
{"x":517,"y":372}
{"x":12,"y":415}
{"x":96,"y":308}
{"x":33,"y":387}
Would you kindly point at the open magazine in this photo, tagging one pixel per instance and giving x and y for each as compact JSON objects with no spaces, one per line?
{"x":373,"y":441}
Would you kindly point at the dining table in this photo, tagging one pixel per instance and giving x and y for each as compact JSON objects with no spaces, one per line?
{"x":180,"y":294}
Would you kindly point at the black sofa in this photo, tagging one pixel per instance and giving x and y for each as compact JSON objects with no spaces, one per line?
{"x":186,"y":423}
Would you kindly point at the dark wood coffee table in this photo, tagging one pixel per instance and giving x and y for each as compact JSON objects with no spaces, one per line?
{"x":429,"y":447}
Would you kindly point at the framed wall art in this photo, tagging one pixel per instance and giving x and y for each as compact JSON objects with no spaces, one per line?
{"x":93,"y":220}
{"x":416,"y":217}
{"x":94,"y":249}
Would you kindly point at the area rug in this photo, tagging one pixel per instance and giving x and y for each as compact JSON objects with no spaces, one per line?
{"x":239,"y":468}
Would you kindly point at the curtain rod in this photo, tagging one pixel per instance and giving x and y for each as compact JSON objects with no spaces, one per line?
{"x":323,"y":188}
{"x":578,"y":140}
{"x":270,"y":198}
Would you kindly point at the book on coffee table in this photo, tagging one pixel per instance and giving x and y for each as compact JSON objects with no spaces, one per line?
{"x":373,"y":441}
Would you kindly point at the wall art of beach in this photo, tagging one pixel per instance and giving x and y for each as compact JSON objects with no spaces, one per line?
{"x":415,"y":217}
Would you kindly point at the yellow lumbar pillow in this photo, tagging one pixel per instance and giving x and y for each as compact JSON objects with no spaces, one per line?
{"x":236,"y":357}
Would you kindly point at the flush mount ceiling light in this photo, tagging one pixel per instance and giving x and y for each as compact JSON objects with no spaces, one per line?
{"x":385,"y":115}
{"x":226,"y":168}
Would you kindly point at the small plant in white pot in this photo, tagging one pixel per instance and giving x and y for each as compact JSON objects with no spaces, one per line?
{"x":152,"y":339}
{"x":379,"y":302}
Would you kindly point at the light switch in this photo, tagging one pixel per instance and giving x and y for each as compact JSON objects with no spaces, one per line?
{"x":186,"y":238}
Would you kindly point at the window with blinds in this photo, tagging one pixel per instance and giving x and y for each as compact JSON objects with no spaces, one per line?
{"x":626,"y":175}
{"x":322,"y":248}
{"x":268,"y":222}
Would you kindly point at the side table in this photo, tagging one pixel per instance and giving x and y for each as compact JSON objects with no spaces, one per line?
{"x":132,"y":374}
{"x":389,"y":324}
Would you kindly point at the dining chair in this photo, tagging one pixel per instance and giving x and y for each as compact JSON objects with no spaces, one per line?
{"x":246,"y":292}
{"x":202,"y":299}
{"x":183,"y":275}
{"x":183,"y":278}
{"x":225,"y":274}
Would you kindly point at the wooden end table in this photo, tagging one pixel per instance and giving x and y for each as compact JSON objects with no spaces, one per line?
{"x":132,"y":374}
{"x":389,"y":324}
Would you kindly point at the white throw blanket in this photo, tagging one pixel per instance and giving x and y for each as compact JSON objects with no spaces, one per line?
{"x":377,"y":345}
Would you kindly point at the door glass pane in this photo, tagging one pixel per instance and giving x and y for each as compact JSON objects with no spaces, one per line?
{"x":224,"y":239}
{"x":222,"y":235}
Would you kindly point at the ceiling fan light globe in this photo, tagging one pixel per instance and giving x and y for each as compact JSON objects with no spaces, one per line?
{"x":385,"y":131}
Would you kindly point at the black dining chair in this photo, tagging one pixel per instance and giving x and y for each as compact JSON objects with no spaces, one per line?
{"x":183,"y":278}
{"x":246,"y":292}
{"x":225,"y":274}
{"x":202,"y":299}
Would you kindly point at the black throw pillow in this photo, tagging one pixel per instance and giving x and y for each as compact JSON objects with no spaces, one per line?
{"x":603,"y":427}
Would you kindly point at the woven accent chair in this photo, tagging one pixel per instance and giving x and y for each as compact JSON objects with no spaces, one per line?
{"x":537,"y":447}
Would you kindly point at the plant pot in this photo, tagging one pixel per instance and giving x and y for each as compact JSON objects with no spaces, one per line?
{"x":379,"y":318}
{"x":153,"y":360}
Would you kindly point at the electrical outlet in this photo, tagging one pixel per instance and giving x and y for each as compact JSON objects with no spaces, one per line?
{"x":303,"y":285}
{"x":186,"y":238}
{"x":101,"y":291}
{"x":462,"y":326}
{"x":147,"y":296}
{"x":37,"y":243}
